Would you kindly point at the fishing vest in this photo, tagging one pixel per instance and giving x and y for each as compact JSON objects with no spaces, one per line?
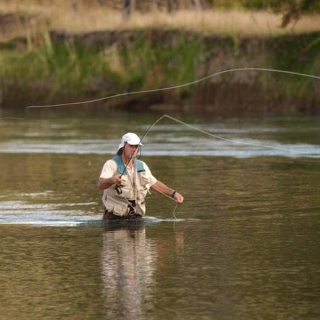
{"x":133,"y":187}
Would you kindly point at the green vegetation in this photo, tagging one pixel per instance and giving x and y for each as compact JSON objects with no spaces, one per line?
{"x":98,"y":52}
{"x":300,"y":54}
{"x":47,"y":71}
{"x":67,"y":71}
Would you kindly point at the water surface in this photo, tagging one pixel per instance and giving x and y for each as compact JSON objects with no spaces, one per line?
{"x":244,"y":245}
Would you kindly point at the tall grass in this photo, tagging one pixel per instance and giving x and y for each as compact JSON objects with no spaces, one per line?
{"x":301,"y":54}
{"x":67,"y":71}
{"x":88,"y":16}
{"x":63,"y":71}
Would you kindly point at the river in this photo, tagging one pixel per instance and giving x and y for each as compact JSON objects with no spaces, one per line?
{"x":244,"y":245}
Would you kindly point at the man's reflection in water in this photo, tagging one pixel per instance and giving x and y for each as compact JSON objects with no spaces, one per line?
{"x":128,"y":263}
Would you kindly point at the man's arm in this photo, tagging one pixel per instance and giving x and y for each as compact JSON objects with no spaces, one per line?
{"x":106,"y":183}
{"x":163,"y":188}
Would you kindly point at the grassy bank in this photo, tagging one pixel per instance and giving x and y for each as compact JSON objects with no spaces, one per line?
{"x":71,"y":71}
{"x":56,"y":53}
{"x":91,"y":66}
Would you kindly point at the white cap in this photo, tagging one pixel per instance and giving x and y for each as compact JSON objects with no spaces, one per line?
{"x":130,"y":138}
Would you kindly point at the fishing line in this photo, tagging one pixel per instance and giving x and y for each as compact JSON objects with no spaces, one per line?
{"x":169,"y":197}
{"x":213,"y":136}
{"x":174,"y":211}
{"x":175,"y":87}
{"x":219,"y":137}
{"x":186,"y":85}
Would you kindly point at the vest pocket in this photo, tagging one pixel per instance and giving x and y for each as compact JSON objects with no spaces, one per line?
{"x":117,"y":209}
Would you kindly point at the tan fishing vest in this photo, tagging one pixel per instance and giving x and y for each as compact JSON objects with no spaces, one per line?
{"x":134,"y":186}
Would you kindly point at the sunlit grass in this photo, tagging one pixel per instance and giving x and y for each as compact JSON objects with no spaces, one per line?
{"x":62,"y":16}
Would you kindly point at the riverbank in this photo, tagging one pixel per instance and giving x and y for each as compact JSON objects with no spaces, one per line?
{"x":163,"y":69}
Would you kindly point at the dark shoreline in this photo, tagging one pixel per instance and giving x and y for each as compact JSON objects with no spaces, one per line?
{"x":227,"y":88}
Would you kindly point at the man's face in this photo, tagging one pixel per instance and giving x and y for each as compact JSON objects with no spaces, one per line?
{"x":130,"y":150}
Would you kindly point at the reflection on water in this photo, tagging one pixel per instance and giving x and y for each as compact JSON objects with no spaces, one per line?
{"x":245,"y":244}
{"x":128,"y":263}
{"x":226,"y":268}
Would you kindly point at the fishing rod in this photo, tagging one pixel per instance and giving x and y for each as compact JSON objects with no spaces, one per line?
{"x":118,"y":188}
{"x":132,"y":156}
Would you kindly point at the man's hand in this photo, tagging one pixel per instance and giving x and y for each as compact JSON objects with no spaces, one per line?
{"x":178,"y":197}
{"x":117,"y":179}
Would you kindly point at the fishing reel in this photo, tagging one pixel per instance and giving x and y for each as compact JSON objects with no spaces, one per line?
{"x":118,"y":189}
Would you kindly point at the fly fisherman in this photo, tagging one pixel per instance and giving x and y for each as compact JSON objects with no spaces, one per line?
{"x":125,"y":182}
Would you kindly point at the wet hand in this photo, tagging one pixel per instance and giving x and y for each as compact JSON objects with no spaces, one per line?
{"x":178,"y":197}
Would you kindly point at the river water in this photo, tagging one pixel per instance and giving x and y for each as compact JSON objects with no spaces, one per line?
{"x":244,"y":245}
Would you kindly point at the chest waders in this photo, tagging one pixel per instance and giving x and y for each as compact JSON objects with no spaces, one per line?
{"x":129,"y":198}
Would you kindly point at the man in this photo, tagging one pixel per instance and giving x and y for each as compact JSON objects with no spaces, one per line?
{"x":125,"y":182}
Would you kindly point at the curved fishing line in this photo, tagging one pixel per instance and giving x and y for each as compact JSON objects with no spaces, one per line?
{"x":221,"y":138}
{"x":213,"y":136}
{"x":174,"y":210}
{"x":175,"y":87}
{"x":169,"y":197}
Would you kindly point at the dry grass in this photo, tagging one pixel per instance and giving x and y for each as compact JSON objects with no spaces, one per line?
{"x":60,"y":15}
